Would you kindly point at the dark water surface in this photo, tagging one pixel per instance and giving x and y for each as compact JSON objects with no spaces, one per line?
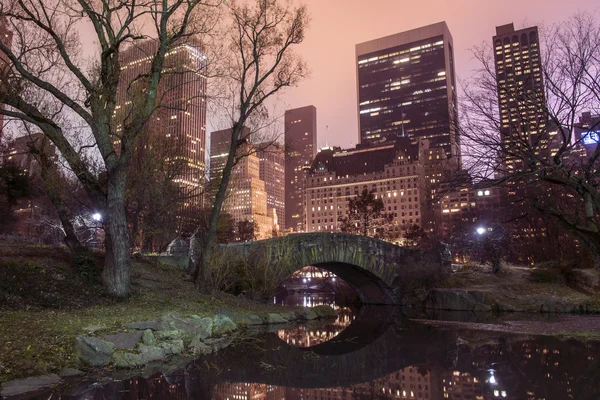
{"x":369,"y":353}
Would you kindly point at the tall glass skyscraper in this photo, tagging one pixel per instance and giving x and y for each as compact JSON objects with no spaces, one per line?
{"x":406,"y":88}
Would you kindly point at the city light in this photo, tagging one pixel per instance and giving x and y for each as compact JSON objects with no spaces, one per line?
{"x":481,"y":230}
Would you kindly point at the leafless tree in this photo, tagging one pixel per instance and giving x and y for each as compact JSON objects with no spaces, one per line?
{"x":554,"y":173}
{"x":260,"y":64}
{"x":49,"y":79}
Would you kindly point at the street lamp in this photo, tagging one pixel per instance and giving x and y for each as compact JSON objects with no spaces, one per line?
{"x":97,"y":217}
{"x":481,"y":230}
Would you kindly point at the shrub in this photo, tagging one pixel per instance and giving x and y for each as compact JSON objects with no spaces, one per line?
{"x":85,"y":265}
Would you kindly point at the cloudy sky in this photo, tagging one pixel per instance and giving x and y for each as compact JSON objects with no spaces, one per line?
{"x":337,"y":25}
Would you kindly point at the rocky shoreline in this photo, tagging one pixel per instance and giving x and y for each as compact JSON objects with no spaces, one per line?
{"x":158,"y":341}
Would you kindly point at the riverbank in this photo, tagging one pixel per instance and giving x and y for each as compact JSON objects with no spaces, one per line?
{"x":46,"y":301}
{"x":518,"y":289}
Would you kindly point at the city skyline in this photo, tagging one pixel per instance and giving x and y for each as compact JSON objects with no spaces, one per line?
{"x":344,"y":24}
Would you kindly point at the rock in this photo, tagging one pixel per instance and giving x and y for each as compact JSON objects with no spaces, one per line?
{"x":227,"y":313}
{"x":248,"y":320}
{"x":289,"y":316}
{"x":28,"y":385}
{"x":148,"y":337}
{"x":125,"y":340}
{"x":456,"y":300}
{"x":218,"y":343}
{"x":197,"y":347}
{"x":222,"y":325}
{"x":151,"y":353}
{"x":69,"y":372}
{"x":143,"y":325}
{"x":168,"y":335}
{"x":272,"y":318}
{"x":189,"y":327}
{"x":93,"y":351}
{"x":172,"y":347}
{"x":307,"y":314}
{"x":325,"y":311}
{"x":128,"y":360}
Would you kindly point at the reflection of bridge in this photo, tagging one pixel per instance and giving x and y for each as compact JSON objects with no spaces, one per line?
{"x":372,"y":267}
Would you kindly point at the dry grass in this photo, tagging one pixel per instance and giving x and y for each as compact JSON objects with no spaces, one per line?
{"x":515,"y":288}
{"x":38,"y":337}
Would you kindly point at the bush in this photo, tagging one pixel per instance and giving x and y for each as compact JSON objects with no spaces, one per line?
{"x":86,"y":267}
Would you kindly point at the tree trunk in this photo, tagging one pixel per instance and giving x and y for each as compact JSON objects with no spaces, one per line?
{"x":117,"y":263}
{"x":202,"y":271}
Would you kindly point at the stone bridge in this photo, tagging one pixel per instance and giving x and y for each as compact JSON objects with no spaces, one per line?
{"x":374,"y":268}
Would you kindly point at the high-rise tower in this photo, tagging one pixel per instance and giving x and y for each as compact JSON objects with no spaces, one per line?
{"x":521,"y":98}
{"x":179,"y":124}
{"x":406,"y":88}
{"x":300,"y":150}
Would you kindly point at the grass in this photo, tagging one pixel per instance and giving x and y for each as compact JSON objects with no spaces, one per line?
{"x":521,"y":288}
{"x":38,"y":324}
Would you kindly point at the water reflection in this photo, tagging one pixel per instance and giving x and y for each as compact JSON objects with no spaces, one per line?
{"x":314,"y":332}
{"x":408,"y":360}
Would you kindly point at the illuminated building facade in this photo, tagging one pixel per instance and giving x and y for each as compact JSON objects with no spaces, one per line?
{"x":300,"y":150}
{"x":587,"y":133}
{"x":521,"y":99}
{"x":6,"y":38}
{"x":272,"y":172}
{"x":406,"y":88}
{"x":179,"y":125}
{"x":247,"y":198}
{"x":391,"y":170}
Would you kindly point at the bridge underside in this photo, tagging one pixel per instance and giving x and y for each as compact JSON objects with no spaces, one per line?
{"x":369,"y":288}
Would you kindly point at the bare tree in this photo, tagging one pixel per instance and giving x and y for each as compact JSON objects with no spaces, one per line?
{"x":51,"y":86}
{"x":261,"y":63}
{"x":553,"y":173}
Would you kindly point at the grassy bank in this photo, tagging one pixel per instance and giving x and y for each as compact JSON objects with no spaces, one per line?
{"x":524,"y":289}
{"x":46,"y":299}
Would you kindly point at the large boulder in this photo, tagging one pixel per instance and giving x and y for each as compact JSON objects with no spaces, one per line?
{"x":189,"y":328}
{"x":28,"y":385}
{"x":246,"y":320}
{"x":222,"y":325}
{"x":148,"y":337}
{"x":93,"y":351}
{"x":272,"y":318}
{"x":125,"y":340}
{"x":198,"y":347}
{"x":128,"y":360}
{"x":151,"y":353}
{"x":172,"y":347}
{"x":325,"y":311}
{"x":457,"y":300}
{"x":307,"y":314}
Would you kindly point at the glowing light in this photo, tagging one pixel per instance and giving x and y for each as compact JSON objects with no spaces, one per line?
{"x":481,"y":231}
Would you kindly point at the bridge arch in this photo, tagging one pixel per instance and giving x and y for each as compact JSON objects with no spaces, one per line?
{"x":371,"y":266}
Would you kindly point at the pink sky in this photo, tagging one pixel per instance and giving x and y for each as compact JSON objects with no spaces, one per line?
{"x":337,"y":25}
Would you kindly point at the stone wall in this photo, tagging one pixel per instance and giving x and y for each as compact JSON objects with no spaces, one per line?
{"x":374,"y":268}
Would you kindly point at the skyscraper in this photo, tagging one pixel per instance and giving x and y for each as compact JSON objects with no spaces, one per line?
{"x":406,"y":87}
{"x":272,"y":172}
{"x":521,"y":98}
{"x":247,"y":193}
{"x":179,"y":125}
{"x":6,"y":38}
{"x":300,"y":150}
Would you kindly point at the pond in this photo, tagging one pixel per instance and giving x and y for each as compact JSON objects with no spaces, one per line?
{"x":369,"y":353}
